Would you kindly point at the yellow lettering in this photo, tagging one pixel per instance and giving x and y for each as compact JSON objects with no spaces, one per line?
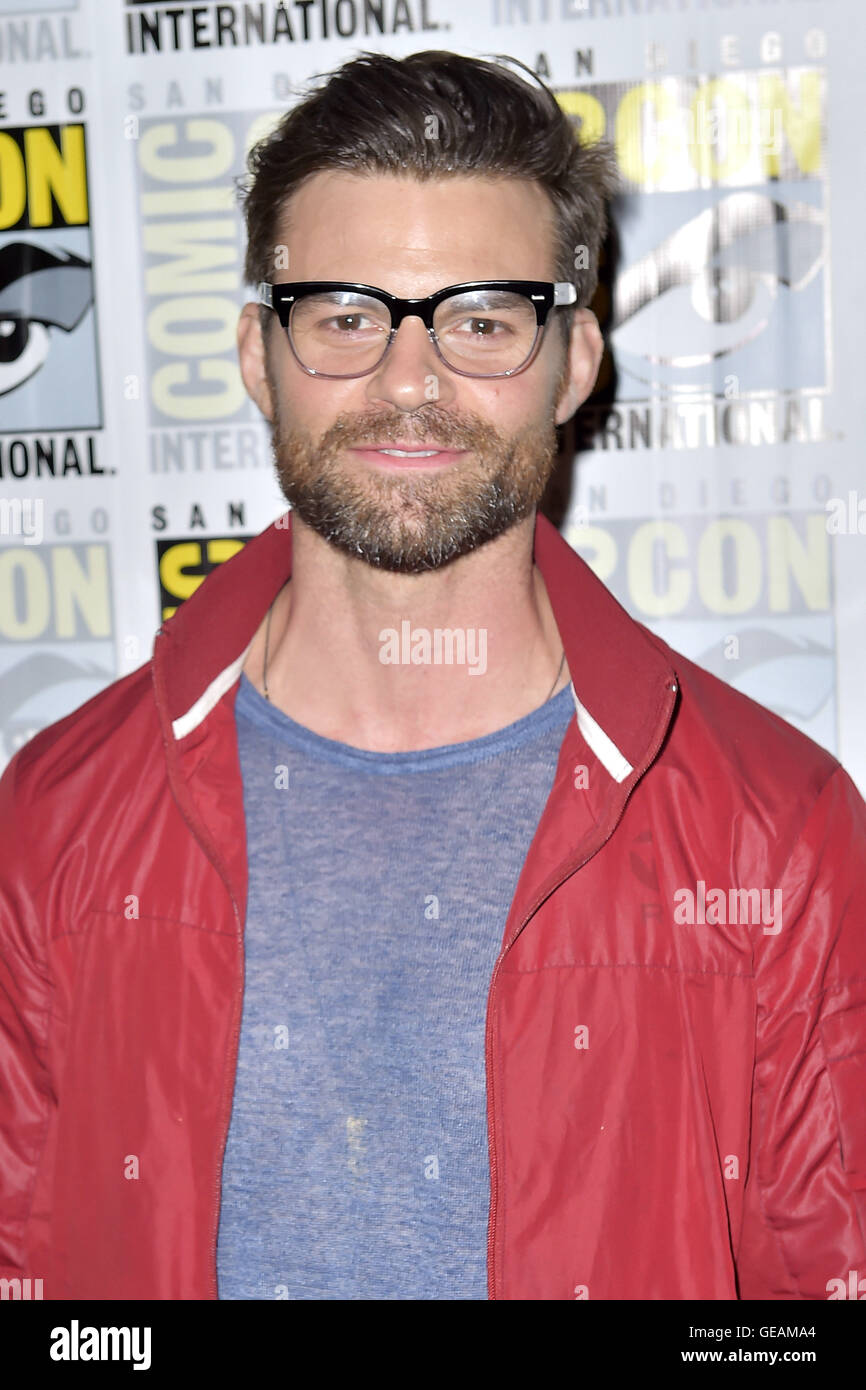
{"x":641,"y":570}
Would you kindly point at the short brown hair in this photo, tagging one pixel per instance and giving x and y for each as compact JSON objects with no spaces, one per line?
{"x":375,"y":114}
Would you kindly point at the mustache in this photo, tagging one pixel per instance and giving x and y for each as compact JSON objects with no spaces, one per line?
{"x":423,"y":427}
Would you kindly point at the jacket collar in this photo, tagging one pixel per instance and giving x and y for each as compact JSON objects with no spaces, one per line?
{"x":620,"y":676}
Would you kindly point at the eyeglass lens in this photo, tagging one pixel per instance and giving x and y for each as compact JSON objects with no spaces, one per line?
{"x":479,"y":331}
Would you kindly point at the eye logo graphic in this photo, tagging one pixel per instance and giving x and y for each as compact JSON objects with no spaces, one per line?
{"x":717,"y":283}
{"x":49,"y":375}
{"x":39,"y":291}
{"x":56,"y":633}
{"x":791,"y":672}
{"x":36,"y":688}
{"x":723,"y":298}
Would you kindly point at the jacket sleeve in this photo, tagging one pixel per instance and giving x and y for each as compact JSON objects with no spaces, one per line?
{"x":25,"y":1003}
{"x":804,"y":1221}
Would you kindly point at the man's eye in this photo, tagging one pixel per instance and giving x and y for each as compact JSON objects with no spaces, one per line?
{"x":483,"y":328}
{"x":350,"y":323}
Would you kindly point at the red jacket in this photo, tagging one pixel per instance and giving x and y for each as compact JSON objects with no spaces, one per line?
{"x":675,"y":1109}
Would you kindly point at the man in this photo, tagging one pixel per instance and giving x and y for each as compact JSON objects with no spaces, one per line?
{"x":416,"y":925}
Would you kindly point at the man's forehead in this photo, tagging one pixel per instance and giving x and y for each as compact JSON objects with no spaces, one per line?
{"x":348,"y":216}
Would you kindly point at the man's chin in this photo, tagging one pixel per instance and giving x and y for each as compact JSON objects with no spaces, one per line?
{"x":412,"y":522}
{"x":403,"y":550}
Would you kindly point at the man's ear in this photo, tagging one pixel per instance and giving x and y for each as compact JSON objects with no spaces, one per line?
{"x":585,"y":351}
{"x":251,"y":352}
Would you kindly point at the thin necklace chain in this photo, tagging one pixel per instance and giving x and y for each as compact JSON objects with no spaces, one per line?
{"x":268,"y":638}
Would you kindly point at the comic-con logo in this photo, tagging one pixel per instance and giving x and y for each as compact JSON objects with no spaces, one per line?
{"x":748,"y":597}
{"x":48,"y":349}
{"x":56,"y":634}
{"x":721,"y":299}
{"x":719,"y":289}
{"x":160,"y":28}
{"x":183,"y":563}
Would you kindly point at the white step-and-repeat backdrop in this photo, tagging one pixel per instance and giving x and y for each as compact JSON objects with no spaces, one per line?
{"x":718,"y":488}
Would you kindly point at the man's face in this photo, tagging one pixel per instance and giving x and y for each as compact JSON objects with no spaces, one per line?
{"x":412,"y":238}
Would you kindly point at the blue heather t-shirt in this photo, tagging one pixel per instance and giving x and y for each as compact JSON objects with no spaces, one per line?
{"x":356,"y":1165}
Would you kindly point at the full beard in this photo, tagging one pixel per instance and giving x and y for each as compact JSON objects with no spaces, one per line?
{"x":413,"y":522}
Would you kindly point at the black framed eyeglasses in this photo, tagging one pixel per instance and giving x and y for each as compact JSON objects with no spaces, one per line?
{"x":482,"y":328}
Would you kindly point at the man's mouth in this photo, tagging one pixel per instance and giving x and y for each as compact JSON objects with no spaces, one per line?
{"x":407,"y":455}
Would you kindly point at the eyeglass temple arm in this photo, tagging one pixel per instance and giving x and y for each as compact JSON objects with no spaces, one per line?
{"x":266,"y":294}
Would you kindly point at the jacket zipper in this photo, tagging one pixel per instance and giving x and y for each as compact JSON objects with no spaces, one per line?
{"x":488,"y":1048}
{"x":227,"y":1098}
{"x":488,"y":1040}
{"x":227,"y":1092}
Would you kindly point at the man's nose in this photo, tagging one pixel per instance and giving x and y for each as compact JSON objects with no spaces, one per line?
{"x":411,"y":371}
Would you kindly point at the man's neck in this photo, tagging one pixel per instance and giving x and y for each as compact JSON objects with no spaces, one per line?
{"x":395,"y":663}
